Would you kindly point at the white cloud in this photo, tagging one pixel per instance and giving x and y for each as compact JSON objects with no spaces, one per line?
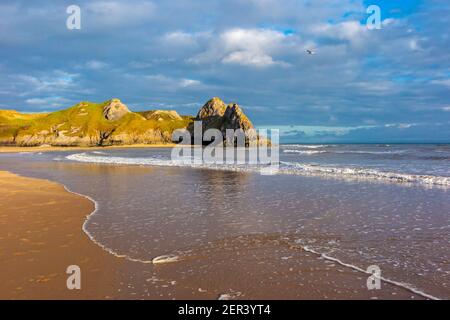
{"x":353,"y":32}
{"x":414,"y":45}
{"x":247,"y":47}
{"x":400,"y":125}
{"x":443,"y":82}
{"x":388,"y":21}
{"x":171,"y":83}
{"x":96,"y":65}
{"x":375,"y":87}
{"x":119,"y":13}
{"x":54,"y":101}
{"x":185,"y":39}
{"x":57,"y":81}
{"x":249,"y":58}
{"x":241,"y":47}
{"x":180,"y":38}
{"x":189,"y":83}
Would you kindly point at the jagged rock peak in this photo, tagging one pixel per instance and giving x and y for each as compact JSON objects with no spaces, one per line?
{"x":115,"y":110}
{"x":235,"y":118}
{"x":214,"y":107}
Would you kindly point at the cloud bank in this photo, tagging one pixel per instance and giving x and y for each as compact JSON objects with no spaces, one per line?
{"x":177,"y":54}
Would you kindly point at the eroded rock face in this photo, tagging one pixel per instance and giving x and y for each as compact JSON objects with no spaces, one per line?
{"x":82,"y":125}
{"x":115,"y":110}
{"x":161,"y":115}
{"x":212,"y":108}
{"x":234,"y":118}
{"x":215,"y":114}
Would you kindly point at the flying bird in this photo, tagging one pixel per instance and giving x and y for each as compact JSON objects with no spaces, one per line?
{"x":310,"y":51}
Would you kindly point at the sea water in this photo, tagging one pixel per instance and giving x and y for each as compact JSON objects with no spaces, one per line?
{"x":351,"y":206}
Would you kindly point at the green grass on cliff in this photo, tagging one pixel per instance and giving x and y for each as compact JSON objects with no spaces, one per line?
{"x":83,"y":119}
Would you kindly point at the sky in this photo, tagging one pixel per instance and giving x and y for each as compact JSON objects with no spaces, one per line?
{"x":361,"y":85}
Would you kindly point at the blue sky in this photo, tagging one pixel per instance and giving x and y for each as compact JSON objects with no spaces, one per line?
{"x":387,"y":85}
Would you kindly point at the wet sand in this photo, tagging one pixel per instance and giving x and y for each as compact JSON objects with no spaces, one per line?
{"x":41,"y":235}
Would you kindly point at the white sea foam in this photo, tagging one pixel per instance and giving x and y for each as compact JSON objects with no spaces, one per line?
{"x":403,"y":285}
{"x":300,"y":151}
{"x":364,"y":173}
{"x":307,"y":146}
{"x":309,"y":152}
{"x":85,"y":157}
{"x":92,"y":238}
{"x":289,"y":168}
{"x":369,"y":152}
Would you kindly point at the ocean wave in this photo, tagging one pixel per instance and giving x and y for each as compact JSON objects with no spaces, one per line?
{"x":364,"y":173}
{"x":288,"y":168}
{"x":85,"y":157}
{"x":308,"y":152}
{"x":369,"y":152}
{"x":307,"y":146}
{"x":300,"y":150}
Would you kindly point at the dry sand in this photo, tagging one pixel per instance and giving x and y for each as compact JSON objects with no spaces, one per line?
{"x":41,"y":235}
{"x":6,"y":149}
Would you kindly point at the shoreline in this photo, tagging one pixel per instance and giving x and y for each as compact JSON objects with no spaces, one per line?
{"x":17,"y":149}
{"x":99,"y":263}
{"x":92,"y":238}
{"x":42,"y":221}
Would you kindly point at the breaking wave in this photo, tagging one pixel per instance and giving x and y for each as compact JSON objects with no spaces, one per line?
{"x":303,"y":151}
{"x":364,"y":173}
{"x":308,"y":152}
{"x":307,"y":146}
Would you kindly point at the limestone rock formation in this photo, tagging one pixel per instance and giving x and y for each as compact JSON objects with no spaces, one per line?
{"x":216,"y":114}
{"x":112,"y":123}
{"x":161,"y":115}
{"x":115,"y":110}
{"x":212,"y":108}
{"x":234,"y":118}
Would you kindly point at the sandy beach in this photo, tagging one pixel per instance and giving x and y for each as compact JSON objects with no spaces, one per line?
{"x":213,"y":150}
{"x":41,"y":235}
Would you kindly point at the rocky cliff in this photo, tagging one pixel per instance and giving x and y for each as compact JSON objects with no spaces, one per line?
{"x":115,"y":110}
{"x":112,"y":123}
{"x":90,"y":124}
{"x":218,"y":115}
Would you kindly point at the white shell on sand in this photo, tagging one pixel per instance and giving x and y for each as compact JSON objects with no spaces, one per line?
{"x":165,"y":259}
